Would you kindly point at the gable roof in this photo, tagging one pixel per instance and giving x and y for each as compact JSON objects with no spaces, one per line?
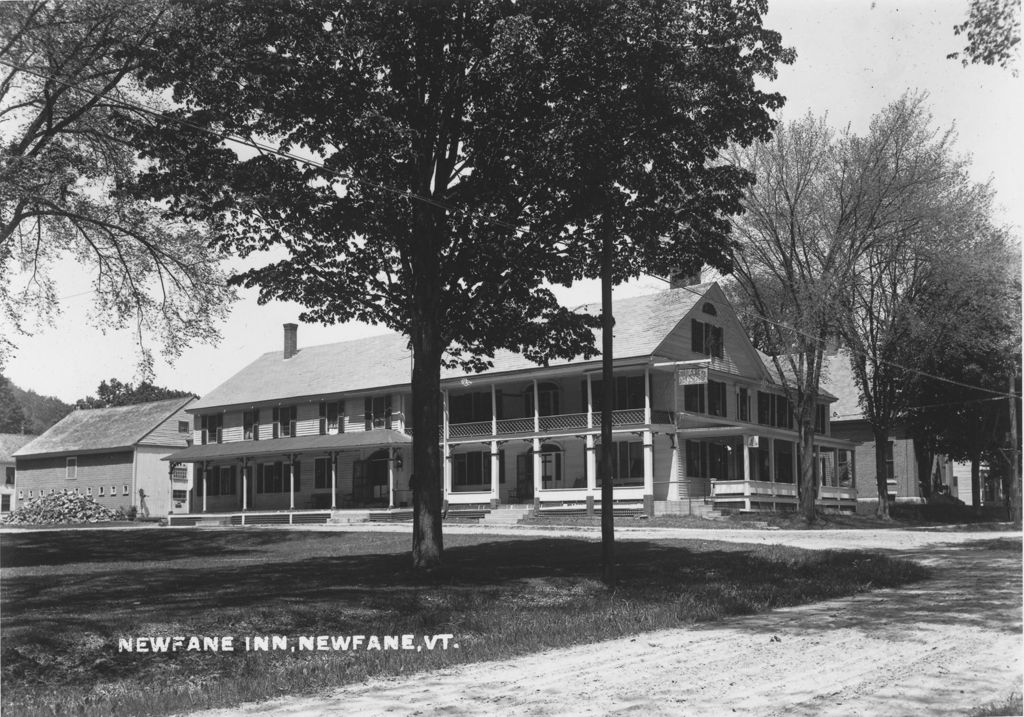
{"x":99,"y":429}
{"x":10,"y":442}
{"x":385,"y":360}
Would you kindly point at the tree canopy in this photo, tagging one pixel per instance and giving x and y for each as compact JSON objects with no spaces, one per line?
{"x":115,"y":393}
{"x":466,"y":155}
{"x":992,"y":28}
{"x":65,"y":68}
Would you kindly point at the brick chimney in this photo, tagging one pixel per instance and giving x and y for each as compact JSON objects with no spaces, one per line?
{"x":291,"y":340}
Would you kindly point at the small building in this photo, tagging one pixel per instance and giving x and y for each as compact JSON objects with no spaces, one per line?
{"x":698,"y":422}
{"x":9,"y":443}
{"x":114,"y":456}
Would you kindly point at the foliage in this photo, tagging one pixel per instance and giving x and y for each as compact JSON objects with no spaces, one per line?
{"x":40,"y":412}
{"x":115,"y":393}
{"x":993,"y":33}
{"x":12,"y":417}
{"x":466,"y":156}
{"x":58,"y":509}
{"x":64,"y":68}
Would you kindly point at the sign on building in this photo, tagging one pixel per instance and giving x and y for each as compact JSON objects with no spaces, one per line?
{"x":691,"y":376}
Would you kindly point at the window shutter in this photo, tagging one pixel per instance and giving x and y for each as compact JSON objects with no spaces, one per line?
{"x":368,"y":413}
{"x":697,"y":336}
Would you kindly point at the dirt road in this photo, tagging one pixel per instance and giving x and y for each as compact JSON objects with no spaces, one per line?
{"x":942,"y":647}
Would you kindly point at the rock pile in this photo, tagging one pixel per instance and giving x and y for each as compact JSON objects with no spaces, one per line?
{"x":61,"y":508}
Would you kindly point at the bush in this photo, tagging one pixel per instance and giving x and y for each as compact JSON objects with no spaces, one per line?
{"x":60,"y":508}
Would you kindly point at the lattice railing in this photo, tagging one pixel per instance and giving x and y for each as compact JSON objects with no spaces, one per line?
{"x":563,"y":421}
{"x":515,"y":425}
{"x":465,"y":430}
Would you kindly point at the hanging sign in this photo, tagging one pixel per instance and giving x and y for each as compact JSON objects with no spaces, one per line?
{"x":752,"y":441}
{"x":691,"y":376}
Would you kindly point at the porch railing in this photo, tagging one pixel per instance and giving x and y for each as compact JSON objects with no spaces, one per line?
{"x":558,"y":422}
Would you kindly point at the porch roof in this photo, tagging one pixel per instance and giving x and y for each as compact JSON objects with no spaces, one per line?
{"x":298,"y":444}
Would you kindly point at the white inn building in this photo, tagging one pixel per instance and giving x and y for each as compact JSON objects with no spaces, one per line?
{"x":699,"y":421}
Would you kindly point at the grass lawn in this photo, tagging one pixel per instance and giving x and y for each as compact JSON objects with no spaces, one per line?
{"x":69,"y":596}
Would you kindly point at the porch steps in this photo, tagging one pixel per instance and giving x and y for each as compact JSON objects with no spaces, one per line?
{"x":472,"y":516}
{"x":617,"y":511}
{"x":506,"y":516}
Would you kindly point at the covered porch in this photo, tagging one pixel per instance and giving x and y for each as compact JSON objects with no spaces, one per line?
{"x":304,"y":473}
{"x":756,"y":468}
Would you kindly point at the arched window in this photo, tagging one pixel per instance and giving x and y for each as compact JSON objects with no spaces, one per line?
{"x":710,"y":309}
{"x":547,"y":399}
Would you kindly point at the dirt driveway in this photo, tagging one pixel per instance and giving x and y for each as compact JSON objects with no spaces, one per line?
{"x":942,"y":647}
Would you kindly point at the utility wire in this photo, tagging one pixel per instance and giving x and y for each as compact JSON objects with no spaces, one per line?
{"x":412,"y":196}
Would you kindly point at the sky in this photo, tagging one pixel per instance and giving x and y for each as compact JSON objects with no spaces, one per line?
{"x":853,"y":58}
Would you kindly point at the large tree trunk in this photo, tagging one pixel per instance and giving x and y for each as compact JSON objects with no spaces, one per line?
{"x":881,"y":474}
{"x":427,"y":543}
{"x":808,"y":476}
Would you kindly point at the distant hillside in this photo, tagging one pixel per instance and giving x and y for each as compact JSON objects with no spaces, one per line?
{"x":38,"y":413}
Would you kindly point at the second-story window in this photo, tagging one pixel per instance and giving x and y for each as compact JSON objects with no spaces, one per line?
{"x":470,"y":407}
{"x":251,"y":424}
{"x":743,"y":404}
{"x":629,"y":393}
{"x":284,"y":421}
{"x":819,"y":418}
{"x":547,"y":399}
{"x":377,"y":412}
{"x":693,"y":398}
{"x":764,"y":408}
{"x":716,"y":398}
{"x":330,"y":418}
{"x":706,"y":338}
{"x":211,"y":428}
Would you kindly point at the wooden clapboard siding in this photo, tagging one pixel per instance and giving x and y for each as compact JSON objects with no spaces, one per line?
{"x":166,"y":433}
{"x":307,"y":419}
{"x":233,"y":430}
{"x":40,"y":475}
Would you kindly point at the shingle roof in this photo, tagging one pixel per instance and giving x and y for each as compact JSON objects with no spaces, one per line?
{"x":10,"y":442}
{"x":103,"y":428}
{"x":642,"y":324}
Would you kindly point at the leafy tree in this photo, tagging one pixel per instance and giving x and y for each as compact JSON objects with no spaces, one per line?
{"x":993,"y":33}
{"x":462,"y":152}
{"x":925,"y":282}
{"x":64,"y":68}
{"x":114,"y":393}
{"x":12,"y":418}
{"x":40,"y":412}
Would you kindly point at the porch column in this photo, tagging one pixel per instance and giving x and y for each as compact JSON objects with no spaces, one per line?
{"x":590,"y":455}
{"x":291,"y":482}
{"x":495,"y":474}
{"x":537,"y":481}
{"x":647,"y":396}
{"x":674,"y":477}
{"x":245,"y":484}
{"x":391,"y":478}
{"x":536,"y":408}
{"x":446,"y":467}
{"x":746,"y":460}
{"x":494,"y":411}
{"x":771,"y":460}
{"x":334,"y":479}
{"x":206,"y":479}
{"x":648,"y":442}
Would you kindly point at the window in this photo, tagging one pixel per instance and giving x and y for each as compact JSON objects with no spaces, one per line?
{"x":30,"y":492}
{"x":783,"y":461}
{"x":219,"y":481}
{"x":179,"y":496}
{"x":9,"y":475}
{"x":709,"y":309}
{"x":5,"y":502}
{"x":693,"y":398}
{"x":764,"y":408}
{"x":251,"y":424}
{"x":743,"y":404}
{"x":183,"y":427}
{"x":330,"y":418}
{"x":471,"y":471}
{"x":377,"y":412}
{"x":629,"y":393}
{"x":21,"y":494}
{"x":274,"y":477}
{"x":845,"y":479}
{"x":100,"y":491}
{"x":113,"y":490}
{"x":547,"y":397}
{"x":819,"y":418}
{"x":211,"y":428}
{"x":71,"y":468}
{"x":706,"y":338}
{"x":890,"y":463}
{"x":88,"y":491}
{"x":124,"y":489}
{"x":470,"y":407}
{"x":322,"y":473}
{"x":550,"y":464}
{"x":716,"y":398}
{"x":773,"y":410}
{"x":783,"y":415}
{"x":627,"y":463}
{"x":285,"y":418}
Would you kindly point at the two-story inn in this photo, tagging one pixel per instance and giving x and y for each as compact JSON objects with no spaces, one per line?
{"x":699,"y":420}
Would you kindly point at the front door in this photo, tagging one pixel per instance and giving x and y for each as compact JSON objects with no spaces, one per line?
{"x":370,"y":481}
{"x":524,"y":478}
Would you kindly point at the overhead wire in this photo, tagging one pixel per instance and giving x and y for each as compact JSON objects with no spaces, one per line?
{"x":412,"y":196}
